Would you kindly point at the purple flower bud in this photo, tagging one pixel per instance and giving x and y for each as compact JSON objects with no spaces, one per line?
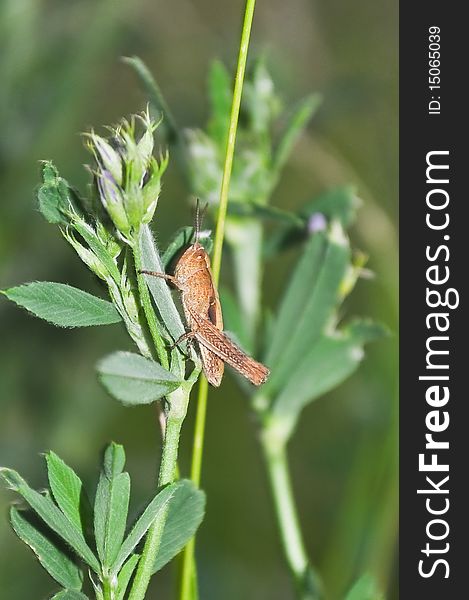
{"x":112,"y":199}
{"x":316,"y":222}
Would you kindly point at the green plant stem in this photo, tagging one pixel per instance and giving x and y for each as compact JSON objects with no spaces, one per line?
{"x":107,"y":590}
{"x":287,"y":518}
{"x":145,"y":300}
{"x":196,"y":466}
{"x":230,"y":145}
{"x":188,"y":564}
{"x":178,"y":401}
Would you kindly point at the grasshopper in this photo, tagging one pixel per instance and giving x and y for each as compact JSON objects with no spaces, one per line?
{"x":202,"y":309}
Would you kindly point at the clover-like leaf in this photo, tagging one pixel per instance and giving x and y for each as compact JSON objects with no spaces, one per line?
{"x":133,"y":379}
{"x":158,"y":287}
{"x":54,"y":560}
{"x":158,"y":504}
{"x":69,"y":595}
{"x":54,"y":518}
{"x":332,"y":358}
{"x":53,"y":195}
{"x":125,"y":574}
{"x":111,"y":505}
{"x":309,"y":302}
{"x":186,"y":511}
{"x":63,"y":305}
{"x":68,"y":491}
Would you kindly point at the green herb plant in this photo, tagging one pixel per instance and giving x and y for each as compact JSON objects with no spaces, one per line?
{"x":309,"y":350}
{"x":305,"y":344}
{"x":109,"y":231}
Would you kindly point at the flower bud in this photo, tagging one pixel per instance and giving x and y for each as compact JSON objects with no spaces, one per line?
{"x":152,"y":187}
{"x":107,"y":158}
{"x":128,"y":177}
{"x":113,"y":200}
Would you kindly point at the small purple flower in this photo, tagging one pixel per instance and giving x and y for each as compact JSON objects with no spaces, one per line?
{"x":316,"y":222}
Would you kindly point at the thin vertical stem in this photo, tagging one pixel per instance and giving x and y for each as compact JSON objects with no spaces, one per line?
{"x":230,"y":145}
{"x":178,"y":401}
{"x":188,"y":559}
{"x":196,"y":466}
{"x":188,"y":564}
{"x":307,"y":583}
{"x":107,"y":590}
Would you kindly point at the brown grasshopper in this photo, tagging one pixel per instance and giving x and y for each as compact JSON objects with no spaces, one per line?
{"x":193,"y":277}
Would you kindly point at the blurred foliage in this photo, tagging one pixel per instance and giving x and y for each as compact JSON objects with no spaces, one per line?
{"x":59,"y":72}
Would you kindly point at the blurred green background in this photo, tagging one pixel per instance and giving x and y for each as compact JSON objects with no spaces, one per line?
{"x":60,"y":74}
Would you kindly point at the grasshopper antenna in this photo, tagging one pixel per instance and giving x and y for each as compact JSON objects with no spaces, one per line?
{"x":199,"y":216}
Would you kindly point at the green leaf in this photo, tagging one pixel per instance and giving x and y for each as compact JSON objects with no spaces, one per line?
{"x":233,"y":319}
{"x":186,"y":511}
{"x":133,"y":379}
{"x":293,"y":128}
{"x":297,"y":294}
{"x":180,"y":241}
{"x":111,"y":505}
{"x":365,"y":589}
{"x":98,"y":248}
{"x":245,"y":239}
{"x":340,"y":204}
{"x":125,"y":574}
{"x":204,"y":165}
{"x":142,"y":524}
{"x":266,"y":212}
{"x":220,"y":95}
{"x":154,"y":93}
{"x":53,"y":195}
{"x":55,"y":562}
{"x":68,"y":491}
{"x":63,"y":305}
{"x":114,"y":460}
{"x":317,"y":287}
{"x":331,"y":359}
{"x":52,"y":516}
{"x":69,"y":595}
{"x":158,"y":287}
{"x":260,"y":102}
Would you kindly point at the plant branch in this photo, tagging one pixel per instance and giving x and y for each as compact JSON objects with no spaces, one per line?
{"x":107,"y":590}
{"x":188,"y":565}
{"x":230,"y":145}
{"x":307,"y":584}
{"x":177,"y":401}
